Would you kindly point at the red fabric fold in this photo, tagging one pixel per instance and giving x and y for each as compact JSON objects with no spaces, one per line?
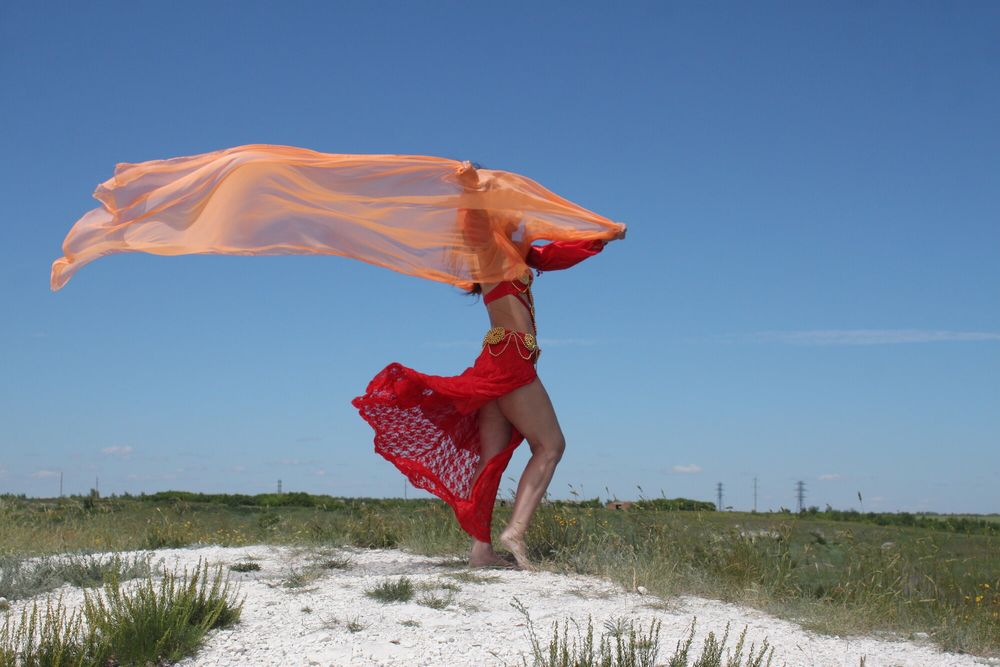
{"x":428,"y":427}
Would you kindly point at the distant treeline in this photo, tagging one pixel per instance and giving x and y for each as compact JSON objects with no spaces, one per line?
{"x":953,"y":524}
{"x":290,"y":499}
{"x":300,"y":499}
{"x":672,"y":504}
{"x":968,"y":525}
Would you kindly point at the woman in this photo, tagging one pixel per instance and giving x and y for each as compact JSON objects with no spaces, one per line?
{"x":425,"y":216}
{"x":454,"y":436}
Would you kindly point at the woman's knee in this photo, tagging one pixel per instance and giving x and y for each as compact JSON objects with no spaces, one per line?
{"x":550,"y":448}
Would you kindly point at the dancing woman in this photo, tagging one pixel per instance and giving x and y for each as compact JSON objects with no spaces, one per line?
{"x":425,"y":216}
{"x":454,"y":436}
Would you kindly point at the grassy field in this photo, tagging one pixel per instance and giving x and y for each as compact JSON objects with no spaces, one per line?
{"x":839,"y":577}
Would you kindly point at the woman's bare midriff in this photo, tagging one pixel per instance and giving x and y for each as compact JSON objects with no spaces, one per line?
{"x":508,"y":312}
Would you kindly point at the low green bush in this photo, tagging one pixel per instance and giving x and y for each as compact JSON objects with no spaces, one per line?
{"x":151,"y":622}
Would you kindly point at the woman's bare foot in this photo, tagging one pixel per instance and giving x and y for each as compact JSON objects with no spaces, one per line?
{"x":515,"y":545}
{"x":482,"y":555}
{"x":495,"y":561}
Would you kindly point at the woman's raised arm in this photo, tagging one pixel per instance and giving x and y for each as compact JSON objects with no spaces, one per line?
{"x":562,"y":254}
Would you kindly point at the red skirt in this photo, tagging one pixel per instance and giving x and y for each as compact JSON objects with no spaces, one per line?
{"x":428,"y":425}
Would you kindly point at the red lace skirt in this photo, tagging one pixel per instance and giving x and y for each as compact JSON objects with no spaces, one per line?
{"x":428,"y":425}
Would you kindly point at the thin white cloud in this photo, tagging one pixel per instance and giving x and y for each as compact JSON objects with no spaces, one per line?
{"x":123,"y":450}
{"x":869,"y":336}
{"x":688,"y":469}
{"x":239,"y":468}
{"x":41,"y":474}
{"x":830,"y":476}
{"x":319,"y":472}
{"x":294,"y":462}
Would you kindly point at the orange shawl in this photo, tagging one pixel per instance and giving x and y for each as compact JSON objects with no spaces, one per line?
{"x":424,"y":216}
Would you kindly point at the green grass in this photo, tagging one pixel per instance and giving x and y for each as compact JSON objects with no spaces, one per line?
{"x":838,"y":577}
{"x":21,"y":579}
{"x":626,"y":644}
{"x":439,"y":585}
{"x":300,"y":578}
{"x":400,"y":590}
{"x":432,"y":595}
{"x":245,"y":567}
{"x":355,"y":624}
{"x":336,"y":563}
{"x":151,"y":622}
{"x":436,"y":601}
{"x":473,"y":577}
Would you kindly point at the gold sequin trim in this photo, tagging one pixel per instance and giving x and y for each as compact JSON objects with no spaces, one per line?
{"x":493,"y":336}
{"x":498,"y":334}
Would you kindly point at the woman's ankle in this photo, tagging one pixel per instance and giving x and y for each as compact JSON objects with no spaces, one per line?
{"x":514,"y":530}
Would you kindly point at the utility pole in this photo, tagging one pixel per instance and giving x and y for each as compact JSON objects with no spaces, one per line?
{"x":754,"y":494}
{"x":279,"y":487}
{"x":800,"y":492}
{"x":60,"y":483}
{"x":718,"y":489}
{"x":97,"y":484}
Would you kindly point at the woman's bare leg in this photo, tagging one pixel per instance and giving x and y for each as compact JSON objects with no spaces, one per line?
{"x":494,"y":435}
{"x":530,"y":410}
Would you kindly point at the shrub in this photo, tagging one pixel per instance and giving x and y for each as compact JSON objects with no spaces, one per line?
{"x":150,"y":623}
{"x":400,"y":590}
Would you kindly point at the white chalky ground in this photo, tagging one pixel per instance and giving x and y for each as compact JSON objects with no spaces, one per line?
{"x":312,"y":625}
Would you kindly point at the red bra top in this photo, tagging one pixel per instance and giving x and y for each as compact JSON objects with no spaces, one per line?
{"x":515,"y":287}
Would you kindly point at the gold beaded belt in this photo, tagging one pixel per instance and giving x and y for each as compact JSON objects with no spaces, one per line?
{"x":498,"y":334}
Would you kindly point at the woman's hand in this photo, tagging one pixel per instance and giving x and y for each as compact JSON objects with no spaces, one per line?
{"x":621,"y":234}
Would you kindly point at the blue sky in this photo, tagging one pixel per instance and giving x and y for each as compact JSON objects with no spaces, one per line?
{"x":809,"y":289}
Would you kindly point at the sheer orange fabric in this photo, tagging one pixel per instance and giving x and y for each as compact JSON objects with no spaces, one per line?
{"x":425,"y":216}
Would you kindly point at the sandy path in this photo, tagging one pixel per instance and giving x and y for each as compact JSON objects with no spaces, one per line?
{"x":309,"y":625}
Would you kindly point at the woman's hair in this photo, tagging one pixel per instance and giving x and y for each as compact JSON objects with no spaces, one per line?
{"x":476,"y":287}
